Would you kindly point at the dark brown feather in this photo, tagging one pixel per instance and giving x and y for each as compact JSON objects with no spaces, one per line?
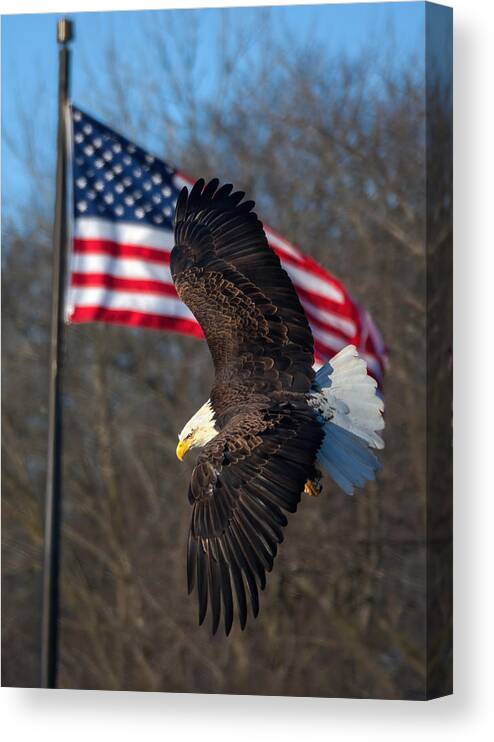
{"x":262,"y":349}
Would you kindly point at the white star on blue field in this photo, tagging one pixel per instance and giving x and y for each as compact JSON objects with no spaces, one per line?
{"x":116,"y":180}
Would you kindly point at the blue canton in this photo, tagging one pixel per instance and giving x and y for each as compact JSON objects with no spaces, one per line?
{"x":115,"y":179}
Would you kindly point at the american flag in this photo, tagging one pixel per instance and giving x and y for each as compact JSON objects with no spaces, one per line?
{"x":123,"y":205}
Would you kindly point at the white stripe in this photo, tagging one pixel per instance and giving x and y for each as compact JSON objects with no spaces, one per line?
{"x":287,"y":247}
{"x":121,"y":267}
{"x":340,"y":323}
{"x":145,"y":236}
{"x":330,"y":340}
{"x":130,"y":301}
{"x":313,"y":283}
{"x":281,"y":244}
{"x":133,"y":268}
{"x":125,"y":233}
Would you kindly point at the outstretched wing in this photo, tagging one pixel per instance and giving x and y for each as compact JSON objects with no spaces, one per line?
{"x":243,"y":481}
{"x":262,"y":348}
{"x":225,"y":271}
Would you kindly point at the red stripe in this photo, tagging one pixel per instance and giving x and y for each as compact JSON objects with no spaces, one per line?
{"x":326,"y":351}
{"x":325,"y":327}
{"x":136,"y":319}
{"x":119,"y":250}
{"x":345,"y":310}
{"x":123,"y":284}
{"x":158,"y":287}
{"x":283,"y":240}
{"x":166,"y":289}
{"x":184,"y":176}
{"x":299,"y":259}
{"x":309,"y":266}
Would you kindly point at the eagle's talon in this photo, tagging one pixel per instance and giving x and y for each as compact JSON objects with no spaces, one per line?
{"x":313,"y":487}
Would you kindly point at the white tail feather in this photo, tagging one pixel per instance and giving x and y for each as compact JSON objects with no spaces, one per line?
{"x":346,"y":399}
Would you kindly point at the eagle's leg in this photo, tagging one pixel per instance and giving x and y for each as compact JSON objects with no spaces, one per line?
{"x":313,"y":487}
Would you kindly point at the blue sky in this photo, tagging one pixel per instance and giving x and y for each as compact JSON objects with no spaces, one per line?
{"x":29,"y":60}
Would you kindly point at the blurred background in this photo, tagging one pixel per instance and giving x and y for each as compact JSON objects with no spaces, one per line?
{"x":319,"y":114}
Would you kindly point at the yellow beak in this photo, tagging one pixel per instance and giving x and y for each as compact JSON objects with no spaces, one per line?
{"x":182,"y":448}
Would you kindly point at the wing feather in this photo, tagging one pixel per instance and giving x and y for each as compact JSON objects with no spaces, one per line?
{"x":214,"y":589}
{"x":238,"y":558}
{"x":236,"y":572}
{"x":226,"y":591}
{"x":225,"y":271}
{"x":254,"y":470}
{"x":248,"y":489}
{"x":202,"y":585}
{"x":191,"y":562}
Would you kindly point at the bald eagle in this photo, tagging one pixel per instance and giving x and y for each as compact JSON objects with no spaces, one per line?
{"x":271,"y":424}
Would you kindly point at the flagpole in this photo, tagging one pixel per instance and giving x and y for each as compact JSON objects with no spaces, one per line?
{"x":51,"y":563}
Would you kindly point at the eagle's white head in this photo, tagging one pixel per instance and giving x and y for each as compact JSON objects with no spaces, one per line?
{"x":198,"y":431}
